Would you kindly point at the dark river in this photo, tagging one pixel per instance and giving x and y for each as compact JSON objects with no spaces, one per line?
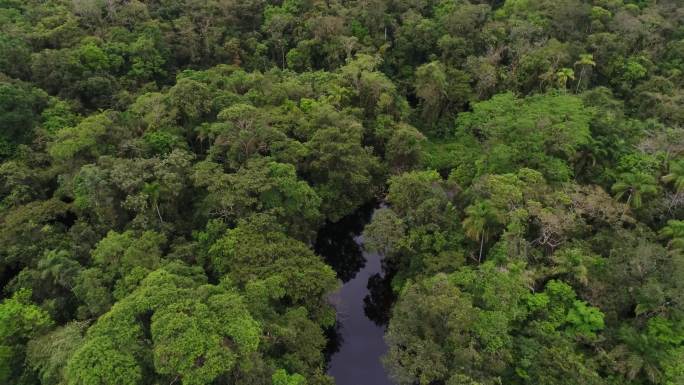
{"x":363,"y":303}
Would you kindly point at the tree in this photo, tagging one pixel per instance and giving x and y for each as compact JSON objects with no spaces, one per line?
{"x":152,"y":190}
{"x":409,"y":189}
{"x":195,"y":331}
{"x":28,"y":230}
{"x":243,"y":133}
{"x":635,"y":186}
{"x":638,"y":274}
{"x":541,"y":132}
{"x":87,"y":140}
{"x":585,"y":61}
{"x":384,"y":233}
{"x":456,"y":324}
{"x":47,"y":354}
{"x":258,"y":249}
{"x":563,"y":75}
{"x":190,"y":99}
{"x":280,"y":377}
{"x":20,"y":320}
{"x":260,"y":186}
{"x":676,"y":175}
{"x":119,"y":253}
{"x":99,"y":361}
{"x":441,"y":90}
{"x":15,"y":53}
{"x":404,"y":150}
{"x":199,"y":342}
{"x":553,"y":336}
{"x":674,"y":231}
{"x":147,"y":56}
{"x":650,"y":354}
{"x":428,"y":314}
{"x":478,"y":222}
{"x":422,"y":204}
{"x":171,"y":169}
{"x":20,"y":107}
{"x":342,"y":171}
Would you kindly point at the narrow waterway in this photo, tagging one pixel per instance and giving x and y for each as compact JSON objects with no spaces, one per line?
{"x":362,"y":304}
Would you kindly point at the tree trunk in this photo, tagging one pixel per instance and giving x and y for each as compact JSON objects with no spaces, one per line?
{"x":629,"y":199}
{"x":156,"y":206}
{"x":282,"y":55}
{"x":579,"y":81}
{"x":482,"y":237}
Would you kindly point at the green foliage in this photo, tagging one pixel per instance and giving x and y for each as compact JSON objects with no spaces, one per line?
{"x":385,"y":232}
{"x":404,"y":148}
{"x":458,"y":324}
{"x":261,"y":186}
{"x":479,"y":217}
{"x":562,"y":311}
{"x":85,"y":139}
{"x":338,"y":165}
{"x":57,"y":116}
{"x":20,"y":320}
{"x":676,"y":175}
{"x":653,"y":354}
{"x":20,"y":107}
{"x":99,"y":361}
{"x":47,"y":354}
{"x":166,"y":168}
{"x":197,"y":331}
{"x":280,"y":377}
{"x":160,"y":142}
{"x":539,"y":132}
{"x":257,"y":249}
{"x":441,"y":90}
{"x":674,"y":232}
{"x":634,"y":187}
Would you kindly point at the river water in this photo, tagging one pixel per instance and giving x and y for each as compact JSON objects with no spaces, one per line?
{"x":362,"y":304}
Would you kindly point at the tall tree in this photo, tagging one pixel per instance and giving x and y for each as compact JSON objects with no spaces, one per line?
{"x":480,"y":217}
{"x":634,"y":187}
{"x":585,"y":61}
{"x":675,"y":175}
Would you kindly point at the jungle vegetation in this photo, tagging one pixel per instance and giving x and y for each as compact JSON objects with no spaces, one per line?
{"x":165,"y":166}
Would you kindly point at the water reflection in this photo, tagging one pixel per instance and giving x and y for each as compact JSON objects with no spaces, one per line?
{"x":356,"y":342}
{"x":335,"y":340}
{"x":378,"y":303}
{"x":336,"y":244}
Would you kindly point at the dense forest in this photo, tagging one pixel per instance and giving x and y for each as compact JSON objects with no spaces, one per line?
{"x":166,"y":166}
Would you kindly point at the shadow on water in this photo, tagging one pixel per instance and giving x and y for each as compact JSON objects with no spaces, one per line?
{"x":378,"y":303}
{"x":335,"y":340}
{"x":356,"y":343}
{"x":336,"y":242}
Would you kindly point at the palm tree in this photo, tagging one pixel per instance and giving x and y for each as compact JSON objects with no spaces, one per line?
{"x":153,"y":192}
{"x":563,"y":75}
{"x":58,"y":267}
{"x":676,"y":175}
{"x":632,"y":363}
{"x":586,"y":60}
{"x":635,"y":186}
{"x":638,"y":355}
{"x":207,"y":132}
{"x":675,"y":232}
{"x":480,"y":216}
